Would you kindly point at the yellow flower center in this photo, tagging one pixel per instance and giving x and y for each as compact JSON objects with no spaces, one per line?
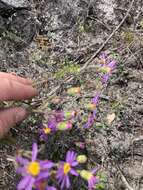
{"x":68,"y":114}
{"x":91,"y":106}
{"x":67,"y":168}
{"x":74,"y":90}
{"x":77,"y":90}
{"x":105,"y":69}
{"x":33,"y":168}
{"x":47,"y":130}
{"x":108,"y":69}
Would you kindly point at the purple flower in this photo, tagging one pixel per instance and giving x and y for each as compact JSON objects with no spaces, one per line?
{"x":66,"y":168}
{"x":103,"y":58}
{"x":110,"y":68}
{"x":33,"y":170}
{"x":59,"y":116}
{"x":92,"y":116}
{"x":92,"y":180}
{"x":58,"y":120}
{"x":50,"y":128}
{"x":64,"y":115}
{"x":106,"y":67}
{"x":90,"y":177}
{"x":90,"y":121}
{"x":107,"y":71}
{"x":93,"y":104}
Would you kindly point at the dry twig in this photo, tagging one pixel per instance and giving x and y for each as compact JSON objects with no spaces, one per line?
{"x":110,"y":36}
{"x":124,"y":179}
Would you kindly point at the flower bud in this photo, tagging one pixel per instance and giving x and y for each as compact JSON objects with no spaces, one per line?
{"x":69,"y":114}
{"x":90,"y":106}
{"x":74,"y":91}
{"x":80,"y":144}
{"x":105,"y":69}
{"x":62,"y":126}
{"x":81,"y":159}
{"x":85,"y":174}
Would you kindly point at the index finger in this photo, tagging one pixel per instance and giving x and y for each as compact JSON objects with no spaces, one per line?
{"x":13,"y":76}
{"x":13,"y":90}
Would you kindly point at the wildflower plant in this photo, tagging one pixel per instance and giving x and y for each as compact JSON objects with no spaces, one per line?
{"x":36,"y":173}
{"x":106,"y":67}
{"x":67,"y":168}
{"x":46,"y":174}
{"x":32,"y":170}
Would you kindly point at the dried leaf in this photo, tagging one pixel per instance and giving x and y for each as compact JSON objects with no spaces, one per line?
{"x":110,"y":118}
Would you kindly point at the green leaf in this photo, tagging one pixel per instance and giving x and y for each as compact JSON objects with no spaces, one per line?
{"x":69,"y":68}
{"x":100,"y":125}
{"x":100,"y":186}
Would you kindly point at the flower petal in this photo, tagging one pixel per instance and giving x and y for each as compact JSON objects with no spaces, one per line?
{"x":20,"y":170}
{"x":70,"y":156}
{"x":63,"y":184}
{"x":43,"y":175}
{"x":94,"y":170}
{"x":30,"y":183}
{"x":103,"y":55}
{"x":95,"y":99}
{"x":67,"y":182}
{"x":23,"y":183}
{"x":46,"y":164}
{"x":105,"y":77}
{"x":112,"y":64}
{"x":21,"y":160}
{"x":73,"y":172}
{"x":75,"y":163}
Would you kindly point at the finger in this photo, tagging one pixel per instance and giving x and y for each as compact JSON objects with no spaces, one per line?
{"x":15,"y":77}
{"x":10,"y":117}
{"x":12,"y":90}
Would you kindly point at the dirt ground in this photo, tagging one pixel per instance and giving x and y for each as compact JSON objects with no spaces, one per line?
{"x":38,"y":42}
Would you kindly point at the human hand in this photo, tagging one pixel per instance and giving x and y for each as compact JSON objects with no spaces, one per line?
{"x":13,"y":87}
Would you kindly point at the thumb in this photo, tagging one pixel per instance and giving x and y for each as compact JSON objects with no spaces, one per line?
{"x":9,"y":117}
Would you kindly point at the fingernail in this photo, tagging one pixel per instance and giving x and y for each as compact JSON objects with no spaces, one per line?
{"x":20,"y":114}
